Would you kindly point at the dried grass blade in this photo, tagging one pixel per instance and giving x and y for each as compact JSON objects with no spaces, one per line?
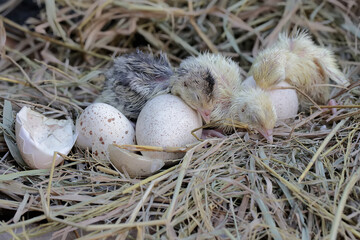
{"x":291,"y":7}
{"x":11,"y":176}
{"x":268,"y":219}
{"x":184,"y":167}
{"x":90,"y":76}
{"x":351,"y":27}
{"x":148,"y":180}
{"x":55,"y":41}
{"x":19,"y":211}
{"x":150,"y":38}
{"x":294,"y":205}
{"x":7,"y":125}
{"x":48,"y":191}
{"x":208,"y":42}
{"x":13,"y":81}
{"x":230,"y":36}
{"x":2,"y":37}
{"x":180,"y":41}
{"x":264,"y":209}
{"x":153,"y":148}
{"x":51,"y":17}
{"x":340,"y":208}
{"x":321,"y":148}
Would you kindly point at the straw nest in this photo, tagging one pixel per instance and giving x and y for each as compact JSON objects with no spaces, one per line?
{"x":304,"y":186}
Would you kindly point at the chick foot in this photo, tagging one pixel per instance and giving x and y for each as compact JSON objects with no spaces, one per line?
{"x":334,"y":111}
{"x":208,"y":133}
{"x":333,"y":102}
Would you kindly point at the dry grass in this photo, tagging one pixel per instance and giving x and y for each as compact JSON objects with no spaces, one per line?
{"x":304,"y":186}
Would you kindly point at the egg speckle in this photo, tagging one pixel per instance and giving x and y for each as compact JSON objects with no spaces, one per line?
{"x":103,"y":125}
{"x":167,"y":121}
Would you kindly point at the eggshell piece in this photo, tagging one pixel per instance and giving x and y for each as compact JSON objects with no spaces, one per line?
{"x":249,"y":82}
{"x":101,"y":125}
{"x":134,"y":164}
{"x":285,"y":101}
{"x":167,"y":121}
{"x":38,"y":137}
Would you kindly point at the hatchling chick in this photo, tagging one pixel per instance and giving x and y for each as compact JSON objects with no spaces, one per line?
{"x":225,"y":91}
{"x":302,"y":64}
{"x":195,"y":82}
{"x":247,"y":104}
{"x":209,"y":83}
{"x":134,"y":79}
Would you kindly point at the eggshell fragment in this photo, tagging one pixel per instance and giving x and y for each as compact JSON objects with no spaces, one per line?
{"x":38,"y":137}
{"x":100,"y":125}
{"x":135,"y":165}
{"x":166,"y":121}
{"x":285,"y":101}
{"x":249,"y":82}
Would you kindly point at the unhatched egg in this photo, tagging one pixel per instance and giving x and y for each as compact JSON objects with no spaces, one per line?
{"x":285,"y":101}
{"x":166,"y":121}
{"x":100,"y":125}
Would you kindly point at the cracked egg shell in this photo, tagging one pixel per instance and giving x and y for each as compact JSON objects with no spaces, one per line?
{"x":285,"y":101}
{"x":38,"y":137}
{"x":100,"y":125}
{"x":134,"y":164}
{"x":167,"y":121}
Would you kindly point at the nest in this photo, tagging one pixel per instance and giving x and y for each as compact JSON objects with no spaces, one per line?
{"x":303,"y":186}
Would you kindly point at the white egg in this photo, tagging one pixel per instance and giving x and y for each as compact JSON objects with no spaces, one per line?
{"x":285,"y":101}
{"x":100,"y":125}
{"x":166,"y":121}
{"x":38,"y":137}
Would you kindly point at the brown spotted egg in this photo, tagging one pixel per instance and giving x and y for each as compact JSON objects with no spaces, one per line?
{"x":100,"y":125}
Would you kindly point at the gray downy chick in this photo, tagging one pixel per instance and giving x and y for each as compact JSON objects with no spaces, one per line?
{"x":136,"y":78}
{"x":133,"y":80}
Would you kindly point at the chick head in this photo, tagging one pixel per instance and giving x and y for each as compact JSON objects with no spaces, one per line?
{"x":269,"y":68}
{"x":254,"y":107}
{"x":196,"y":87}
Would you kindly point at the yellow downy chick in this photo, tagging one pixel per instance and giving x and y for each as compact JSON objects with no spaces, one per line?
{"x":212,"y":69}
{"x":232,"y":99}
{"x":248,"y":105}
{"x":299,"y":62}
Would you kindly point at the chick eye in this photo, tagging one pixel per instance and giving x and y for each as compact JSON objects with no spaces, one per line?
{"x":185,"y":85}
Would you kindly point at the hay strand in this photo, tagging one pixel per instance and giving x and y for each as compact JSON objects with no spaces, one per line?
{"x":303,"y":186}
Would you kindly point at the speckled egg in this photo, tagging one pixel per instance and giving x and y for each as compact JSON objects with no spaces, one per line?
{"x":166,"y":121}
{"x":285,"y":101}
{"x":100,"y":125}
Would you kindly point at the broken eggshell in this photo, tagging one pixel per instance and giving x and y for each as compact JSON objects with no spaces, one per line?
{"x":135,"y":165}
{"x":38,"y":137}
{"x":101,"y":125}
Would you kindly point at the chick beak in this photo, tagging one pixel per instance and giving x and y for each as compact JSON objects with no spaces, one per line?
{"x":205,"y":114}
{"x":267,"y":133}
